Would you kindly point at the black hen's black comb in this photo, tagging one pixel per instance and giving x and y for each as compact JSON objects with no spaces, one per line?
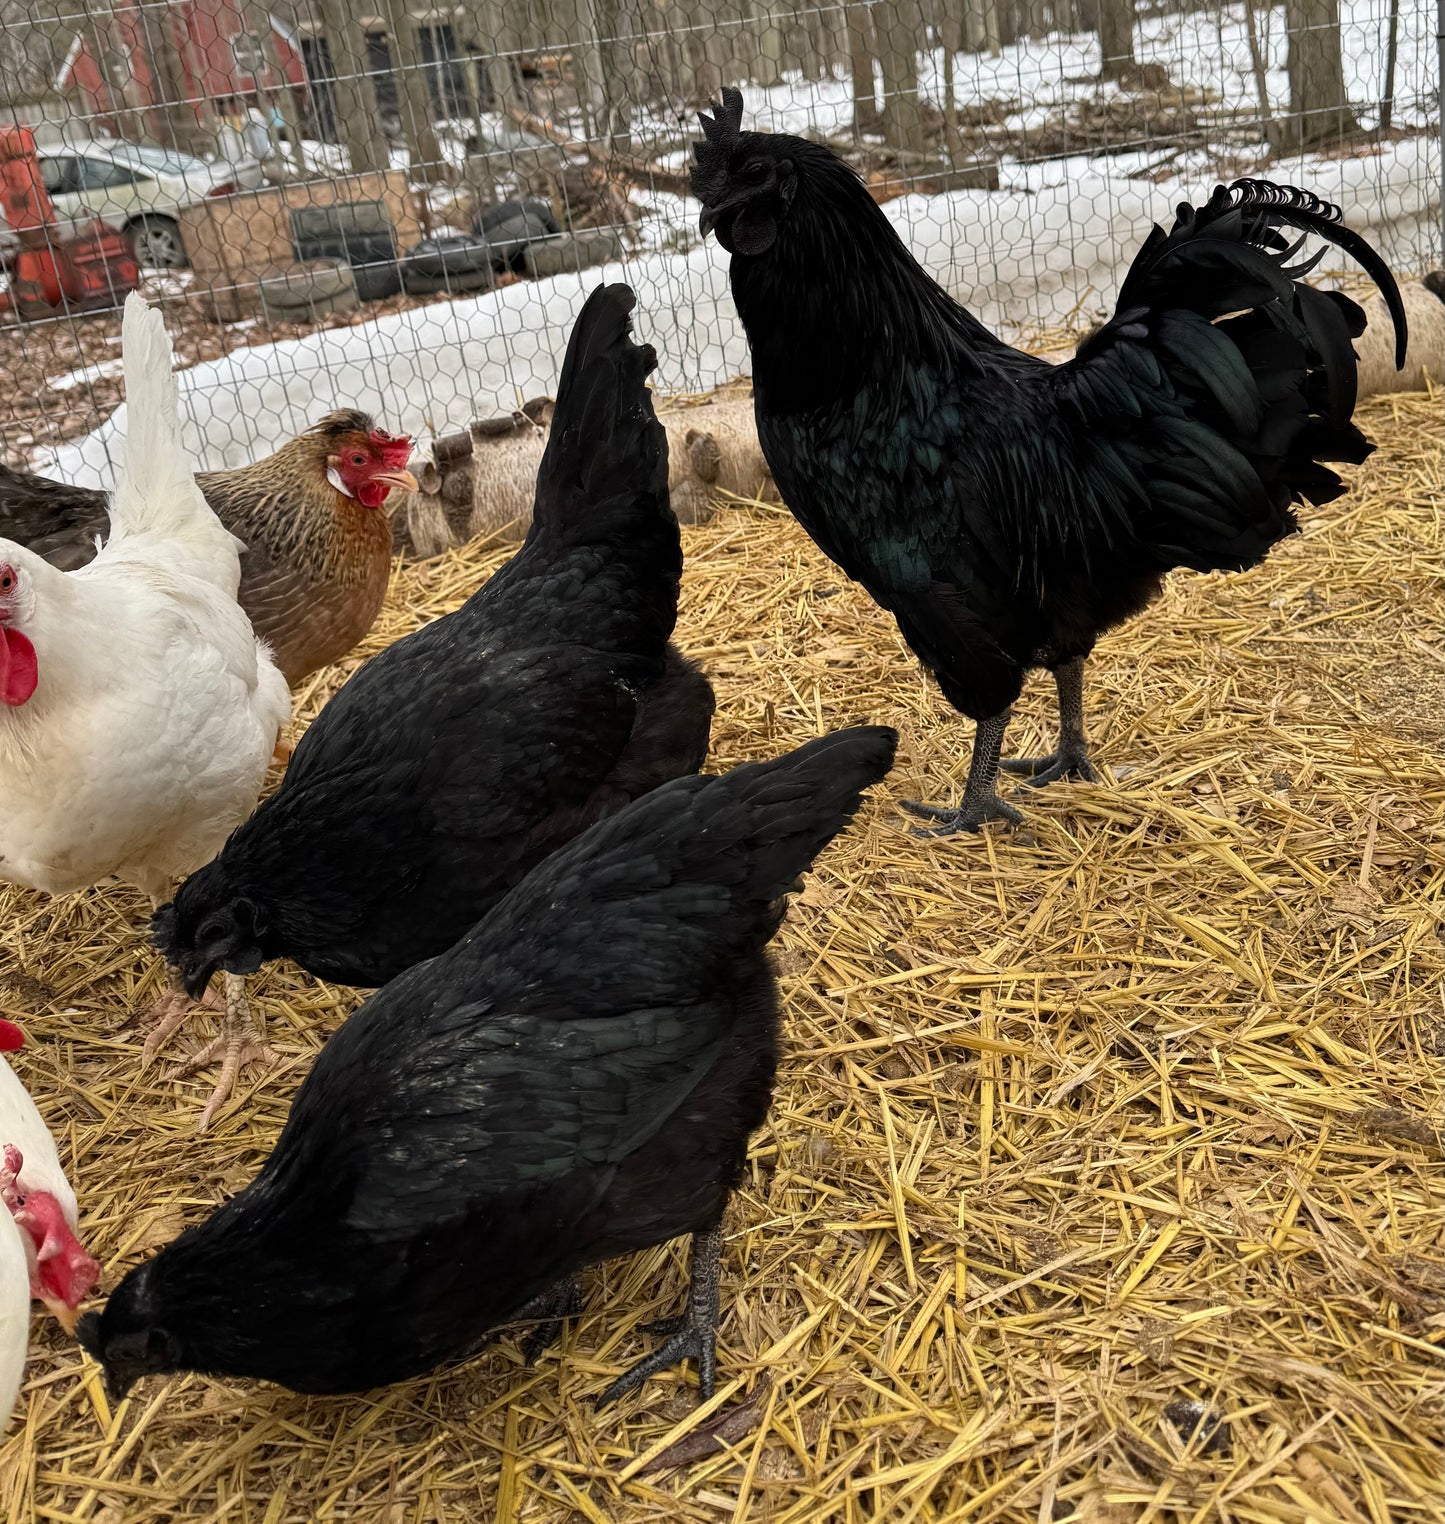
{"x":719,"y":134}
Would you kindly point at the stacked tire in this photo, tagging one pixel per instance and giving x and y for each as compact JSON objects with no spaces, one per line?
{"x":313,"y":289}
{"x":456,"y":265}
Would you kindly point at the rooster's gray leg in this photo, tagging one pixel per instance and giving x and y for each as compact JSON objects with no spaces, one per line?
{"x":553,"y":1307}
{"x":1071,"y":759}
{"x":690,"y":1336}
{"x":980,"y":800}
{"x":239,"y":1044}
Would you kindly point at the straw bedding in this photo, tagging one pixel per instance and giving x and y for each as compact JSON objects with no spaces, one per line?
{"x":1104,"y":1178}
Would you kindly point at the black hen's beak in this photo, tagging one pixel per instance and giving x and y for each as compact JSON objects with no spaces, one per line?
{"x":708,"y":221}
{"x":87,"y":1332}
{"x":196,"y":977}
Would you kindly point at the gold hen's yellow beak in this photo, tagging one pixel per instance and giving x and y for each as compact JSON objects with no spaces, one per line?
{"x":397,"y":480}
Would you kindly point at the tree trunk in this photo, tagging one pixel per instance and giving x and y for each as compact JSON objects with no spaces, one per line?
{"x":898,"y":53}
{"x":1116,"y":38}
{"x":177,"y":125}
{"x":1319,"y":106}
{"x":860,"y":64}
{"x":273,"y":91}
{"x":413,"y":97}
{"x":1260,"y":70}
{"x":352,"y":92}
{"x":1392,"y":53}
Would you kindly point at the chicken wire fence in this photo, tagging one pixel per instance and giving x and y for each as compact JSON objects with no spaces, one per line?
{"x":398,"y":208}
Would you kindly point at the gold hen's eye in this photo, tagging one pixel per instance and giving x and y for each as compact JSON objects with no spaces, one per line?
{"x":358,"y":460}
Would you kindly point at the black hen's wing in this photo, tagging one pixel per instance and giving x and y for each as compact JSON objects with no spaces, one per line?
{"x":409,"y":808}
{"x":1211,"y":400}
{"x":56,"y":521}
{"x":562,"y":1032}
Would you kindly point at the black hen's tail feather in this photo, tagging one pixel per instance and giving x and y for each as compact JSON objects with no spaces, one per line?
{"x":792,"y":807}
{"x":702,"y":861}
{"x":605,"y":445}
{"x":1244,"y":377}
{"x":660,"y":902}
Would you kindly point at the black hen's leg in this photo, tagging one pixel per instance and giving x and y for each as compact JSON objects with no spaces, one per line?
{"x":980,"y":800}
{"x":553,"y":1308}
{"x":690,"y":1336}
{"x":1071,"y":760}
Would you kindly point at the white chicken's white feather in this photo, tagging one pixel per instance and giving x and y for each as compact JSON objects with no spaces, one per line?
{"x":22,"y":1125}
{"x":14,"y":1316}
{"x":157,"y":501}
{"x":157,"y":710}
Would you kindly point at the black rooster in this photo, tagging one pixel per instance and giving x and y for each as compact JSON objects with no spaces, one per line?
{"x":576,"y":1079}
{"x":455,"y":760}
{"x":1006,"y":511}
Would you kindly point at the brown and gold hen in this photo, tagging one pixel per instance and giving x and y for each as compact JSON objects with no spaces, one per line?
{"x":311,"y":516}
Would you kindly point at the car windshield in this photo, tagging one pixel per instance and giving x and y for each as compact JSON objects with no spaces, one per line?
{"x":164,"y":161}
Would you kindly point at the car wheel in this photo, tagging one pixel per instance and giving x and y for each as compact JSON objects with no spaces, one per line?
{"x":157,"y":244}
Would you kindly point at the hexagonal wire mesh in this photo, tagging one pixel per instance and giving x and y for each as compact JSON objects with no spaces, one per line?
{"x":397,"y":207}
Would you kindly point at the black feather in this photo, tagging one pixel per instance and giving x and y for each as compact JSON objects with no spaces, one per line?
{"x":1006,"y":511}
{"x":457,"y":759}
{"x":576,"y":1079}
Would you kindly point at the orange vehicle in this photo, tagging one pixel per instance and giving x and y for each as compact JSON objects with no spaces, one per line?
{"x":91,"y":269}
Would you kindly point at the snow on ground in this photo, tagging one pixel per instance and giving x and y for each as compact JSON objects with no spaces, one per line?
{"x":99,"y":372}
{"x":1017,"y":258}
{"x":1049,"y":247}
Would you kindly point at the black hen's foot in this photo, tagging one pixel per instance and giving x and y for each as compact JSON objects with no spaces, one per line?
{"x":1068,"y":762}
{"x":553,"y":1307}
{"x":692,"y":1336}
{"x":970,"y":814}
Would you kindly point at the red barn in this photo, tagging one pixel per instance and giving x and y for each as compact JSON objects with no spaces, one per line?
{"x":196,"y":51}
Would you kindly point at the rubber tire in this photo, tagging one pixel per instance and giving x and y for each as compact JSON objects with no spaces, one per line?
{"x":306,"y":285}
{"x":372,"y":257}
{"x":434,"y":258}
{"x":167,"y":232}
{"x":462,"y":283}
{"x":343,"y":301}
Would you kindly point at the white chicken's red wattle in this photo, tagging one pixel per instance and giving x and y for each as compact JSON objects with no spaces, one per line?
{"x":19,"y":670}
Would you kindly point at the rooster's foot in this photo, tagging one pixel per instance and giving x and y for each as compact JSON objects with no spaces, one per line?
{"x":1068,"y":762}
{"x":693,"y":1335}
{"x":970,"y":815}
{"x":553,"y":1307}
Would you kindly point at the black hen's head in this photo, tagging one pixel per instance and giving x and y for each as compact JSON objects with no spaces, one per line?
{"x":748,"y":182}
{"x":209,"y":926}
{"x":127,"y":1338}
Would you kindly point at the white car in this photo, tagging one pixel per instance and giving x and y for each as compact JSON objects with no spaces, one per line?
{"x":136,"y":190}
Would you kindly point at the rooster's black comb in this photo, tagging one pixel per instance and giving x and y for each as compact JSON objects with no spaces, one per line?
{"x":726,"y":120}
{"x":719,"y":134}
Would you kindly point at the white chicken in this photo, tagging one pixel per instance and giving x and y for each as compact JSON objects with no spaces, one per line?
{"x":40,"y":1255}
{"x":138,"y":711}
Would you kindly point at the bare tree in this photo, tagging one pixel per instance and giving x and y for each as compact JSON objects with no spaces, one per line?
{"x":1116,"y":38}
{"x":352,"y":91}
{"x":1392,"y":54}
{"x":861,"y":50}
{"x":1319,"y":104}
{"x":413,"y":97}
{"x":897,"y":23}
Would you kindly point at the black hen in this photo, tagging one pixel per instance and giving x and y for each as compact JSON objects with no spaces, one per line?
{"x":1006,"y":511}
{"x":458,"y":758}
{"x":576,"y":1079}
